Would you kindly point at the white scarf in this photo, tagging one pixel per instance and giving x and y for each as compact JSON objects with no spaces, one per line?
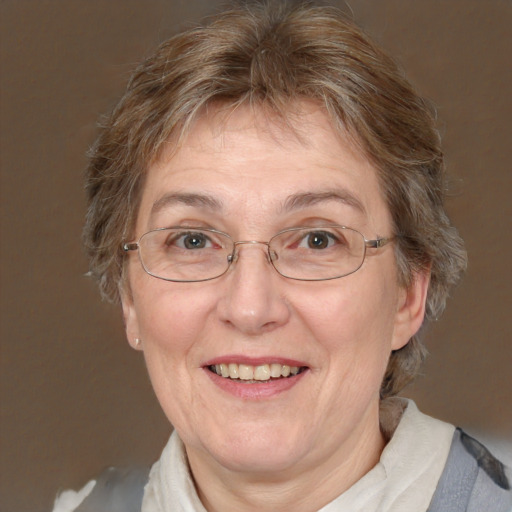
{"x":404,"y":479}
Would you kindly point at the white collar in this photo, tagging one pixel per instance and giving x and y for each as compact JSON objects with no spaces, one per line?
{"x":404,"y":479}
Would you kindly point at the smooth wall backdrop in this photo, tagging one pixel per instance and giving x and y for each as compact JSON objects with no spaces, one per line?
{"x":74,"y":397}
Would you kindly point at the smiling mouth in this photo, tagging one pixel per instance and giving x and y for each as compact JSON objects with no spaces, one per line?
{"x":255,"y":374}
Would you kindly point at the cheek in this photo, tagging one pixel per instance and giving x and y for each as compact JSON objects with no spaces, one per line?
{"x":351,"y":324}
{"x":169,"y":315}
{"x":172,"y":323}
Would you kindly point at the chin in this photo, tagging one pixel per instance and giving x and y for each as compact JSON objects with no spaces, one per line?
{"x":262,"y":449}
{"x":259,"y":461}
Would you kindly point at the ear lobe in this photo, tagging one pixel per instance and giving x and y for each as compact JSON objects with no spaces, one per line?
{"x":131,"y":324}
{"x":410,"y":310}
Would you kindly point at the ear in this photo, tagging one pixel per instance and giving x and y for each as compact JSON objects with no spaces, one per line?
{"x":410,"y":309}
{"x":131,"y":323}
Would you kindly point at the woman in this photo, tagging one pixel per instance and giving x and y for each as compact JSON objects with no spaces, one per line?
{"x":266,"y":203}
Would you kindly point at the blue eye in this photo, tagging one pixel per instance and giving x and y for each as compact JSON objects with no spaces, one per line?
{"x":190,"y":240}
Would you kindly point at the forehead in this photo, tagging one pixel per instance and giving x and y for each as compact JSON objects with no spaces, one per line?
{"x":248,"y":161}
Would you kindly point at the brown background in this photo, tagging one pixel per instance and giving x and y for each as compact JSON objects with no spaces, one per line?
{"x":74,"y":397}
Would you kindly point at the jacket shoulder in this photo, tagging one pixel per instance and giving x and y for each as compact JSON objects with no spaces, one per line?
{"x":117,"y":490}
{"x":472,"y":480}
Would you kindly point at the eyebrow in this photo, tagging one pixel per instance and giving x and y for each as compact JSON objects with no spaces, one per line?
{"x":305,"y":199}
{"x":292,"y":203}
{"x":187,"y":199}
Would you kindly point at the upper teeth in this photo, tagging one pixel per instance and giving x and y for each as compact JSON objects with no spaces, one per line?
{"x":249,"y":372}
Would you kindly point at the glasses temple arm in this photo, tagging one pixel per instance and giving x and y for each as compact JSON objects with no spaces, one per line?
{"x":379,"y":242}
{"x":130,"y":246}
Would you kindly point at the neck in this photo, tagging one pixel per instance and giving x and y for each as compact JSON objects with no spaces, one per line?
{"x":306,"y":487}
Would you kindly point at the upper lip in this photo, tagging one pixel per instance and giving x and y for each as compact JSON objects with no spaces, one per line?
{"x":254,"y":361}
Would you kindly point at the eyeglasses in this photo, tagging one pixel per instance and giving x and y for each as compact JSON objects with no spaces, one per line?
{"x":320,"y":253}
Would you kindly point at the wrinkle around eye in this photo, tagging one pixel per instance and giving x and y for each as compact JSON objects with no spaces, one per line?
{"x":179,"y":223}
{"x":324,"y":219}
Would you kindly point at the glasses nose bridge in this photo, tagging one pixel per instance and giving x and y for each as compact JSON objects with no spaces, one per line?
{"x":250,"y":242}
{"x":234,"y":255}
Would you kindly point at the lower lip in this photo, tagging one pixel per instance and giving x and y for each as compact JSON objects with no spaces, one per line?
{"x":255,"y":390}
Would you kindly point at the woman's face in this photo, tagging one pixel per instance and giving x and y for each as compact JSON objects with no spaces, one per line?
{"x":252,"y":178}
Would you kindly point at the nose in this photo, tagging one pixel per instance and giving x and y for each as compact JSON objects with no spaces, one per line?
{"x":252,"y":301}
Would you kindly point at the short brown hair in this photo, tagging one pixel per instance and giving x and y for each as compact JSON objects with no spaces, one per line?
{"x":271,"y":54}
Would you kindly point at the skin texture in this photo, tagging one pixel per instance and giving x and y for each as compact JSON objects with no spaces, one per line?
{"x":304,"y":446}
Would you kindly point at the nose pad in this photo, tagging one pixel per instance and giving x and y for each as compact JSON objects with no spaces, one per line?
{"x":272,"y":255}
